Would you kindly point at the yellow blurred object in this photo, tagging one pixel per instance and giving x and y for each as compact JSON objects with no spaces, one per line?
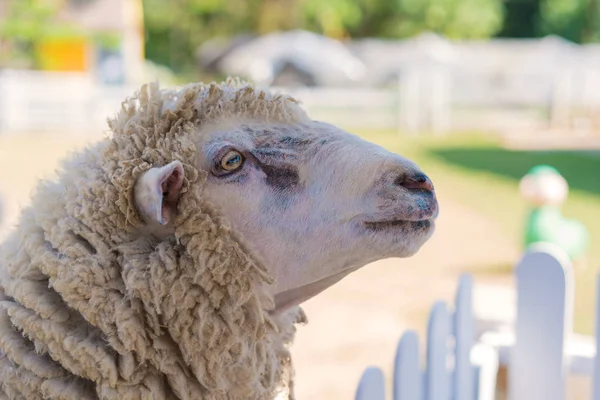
{"x":65,"y":54}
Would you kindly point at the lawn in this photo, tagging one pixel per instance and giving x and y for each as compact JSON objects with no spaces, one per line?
{"x":476,"y":171}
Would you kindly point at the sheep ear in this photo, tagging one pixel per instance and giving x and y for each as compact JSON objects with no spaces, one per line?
{"x":157,"y":192}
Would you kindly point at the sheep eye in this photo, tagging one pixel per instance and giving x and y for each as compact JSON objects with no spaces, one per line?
{"x":231,"y":161}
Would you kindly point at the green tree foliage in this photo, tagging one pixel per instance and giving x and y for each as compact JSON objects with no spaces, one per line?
{"x":575,"y":20}
{"x":521,"y":18}
{"x":458,"y":19}
{"x":334,"y":18}
{"x":28,"y":22}
{"x":176,"y":28}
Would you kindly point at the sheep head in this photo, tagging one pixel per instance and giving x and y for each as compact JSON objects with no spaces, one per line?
{"x":313,"y":202}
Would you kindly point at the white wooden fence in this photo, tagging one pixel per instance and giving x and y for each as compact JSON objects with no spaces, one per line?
{"x":539,"y":350}
{"x":56,"y":102}
{"x":423,"y":100}
{"x":34,"y":101}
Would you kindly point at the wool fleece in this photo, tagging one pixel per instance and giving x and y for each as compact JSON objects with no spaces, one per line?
{"x":92,"y":307}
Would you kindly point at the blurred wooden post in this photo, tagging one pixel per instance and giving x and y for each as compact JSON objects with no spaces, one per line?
{"x":439,"y":100}
{"x":409,"y":101}
{"x":590,"y":97}
{"x":561,"y":100}
{"x":596,"y":371}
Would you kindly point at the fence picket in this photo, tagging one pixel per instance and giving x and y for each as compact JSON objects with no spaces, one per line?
{"x":371,"y":385}
{"x":486,"y":369}
{"x":544,"y":305}
{"x":463,"y":335}
{"x":437,"y":377}
{"x":596,"y":373}
{"x":538,"y":357}
{"x":408,"y":381}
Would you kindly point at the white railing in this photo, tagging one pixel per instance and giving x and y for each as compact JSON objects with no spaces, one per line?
{"x":431,"y":100}
{"x":64,"y":103}
{"x":538,"y":349}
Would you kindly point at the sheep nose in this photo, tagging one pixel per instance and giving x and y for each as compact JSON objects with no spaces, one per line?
{"x":415,"y":181}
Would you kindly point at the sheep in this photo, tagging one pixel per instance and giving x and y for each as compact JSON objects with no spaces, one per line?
{"x":170,"y":260}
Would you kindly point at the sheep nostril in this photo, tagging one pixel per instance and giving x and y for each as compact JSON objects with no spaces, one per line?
{"x":417,"y":181}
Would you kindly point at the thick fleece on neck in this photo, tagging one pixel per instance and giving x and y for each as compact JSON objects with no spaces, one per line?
{"x":91,"y":307}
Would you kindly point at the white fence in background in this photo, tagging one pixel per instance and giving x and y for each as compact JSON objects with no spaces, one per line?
{"x":424,"y":99}
{"x":32,"y":102}
{"x":539,"y":351}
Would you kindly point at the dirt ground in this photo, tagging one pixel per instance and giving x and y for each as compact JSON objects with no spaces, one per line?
{"x":352,"y":325}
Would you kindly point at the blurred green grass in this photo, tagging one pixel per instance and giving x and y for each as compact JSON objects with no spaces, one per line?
{"x":476,"y":171}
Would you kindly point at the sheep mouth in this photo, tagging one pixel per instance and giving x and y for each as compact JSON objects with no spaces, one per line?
{"x":423,"y":220}
{"x":398,"y":224}
{"x":423,"y":217}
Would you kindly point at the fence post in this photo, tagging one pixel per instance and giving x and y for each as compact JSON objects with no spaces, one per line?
{"x":463,"y":335}
{"x":408,"y":382}
{"x":439,"y":100}
{"x":596,"y":373}
{"x":371,"y":385}
{"x":544,"y":317}
{"x":562,"y":99}
{"x":437,"y":384}
{"x":409,"y":101}
{"x":486,"y":359}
